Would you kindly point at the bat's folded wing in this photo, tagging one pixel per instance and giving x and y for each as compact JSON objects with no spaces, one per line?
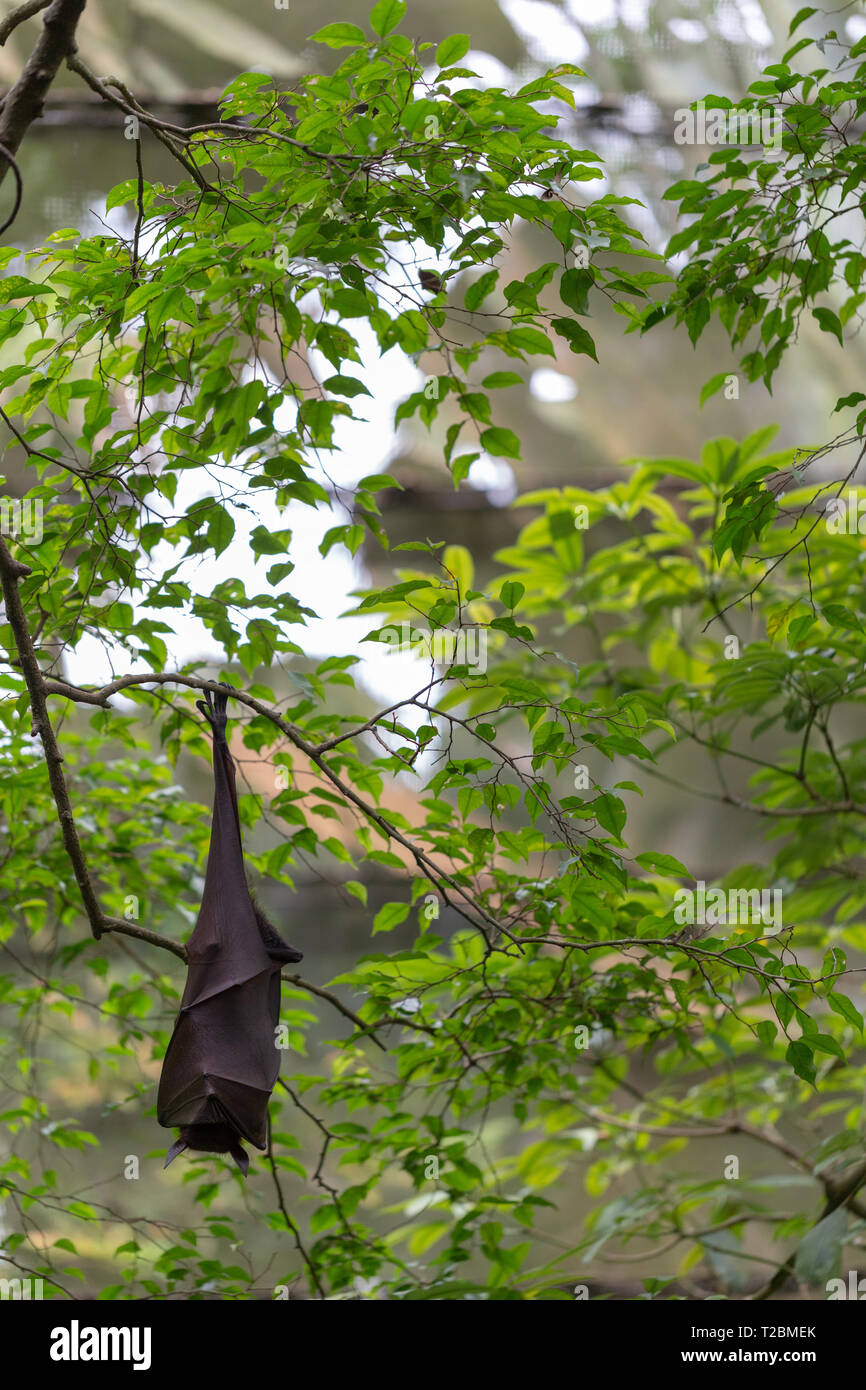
{"x":222,"y":1062}
{"x":219,"y":1100}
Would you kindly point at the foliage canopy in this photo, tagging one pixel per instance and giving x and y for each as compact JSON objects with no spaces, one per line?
{"x":184,"y":384}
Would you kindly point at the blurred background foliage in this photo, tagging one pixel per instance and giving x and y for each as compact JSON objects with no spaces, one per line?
{"x":577,"y":420}
{"x":643,"y":60}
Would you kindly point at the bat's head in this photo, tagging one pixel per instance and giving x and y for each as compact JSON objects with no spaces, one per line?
{"x":215,"y":1139}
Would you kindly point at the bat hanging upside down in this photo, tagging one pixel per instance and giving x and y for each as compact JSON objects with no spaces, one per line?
{"x":222,"y":1062}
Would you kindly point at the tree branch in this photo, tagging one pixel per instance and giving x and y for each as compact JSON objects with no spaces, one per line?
{"x":19,"y":188}
{"x":368,"y":1028}
{"x":840,"y":1192}
{"x":18,"y":16}
{"x":458,"y":895}
{"x":117,"y":924}
{"x":11,"y":571}
{"x":24,"y":102}
{"x":127,"y":103}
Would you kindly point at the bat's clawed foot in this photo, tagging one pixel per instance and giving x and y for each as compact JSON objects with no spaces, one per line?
{"x":211,"y":1138}
{"x":214,"y":707}
{"x":177,"y":1148}
{"x":241,"y":1158}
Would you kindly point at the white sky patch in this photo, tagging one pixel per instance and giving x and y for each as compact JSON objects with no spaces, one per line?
{"x":670,"y":159}
{"x":594,"y":14}
{"x":743,"y":22}
{"x":585,"y":93}
{"x":688,"y":30}
{"x":641,"y":113}
{"x":495,"y":477}
{"x":643,"y":216}
{"x":635,"y":14}
{"x":730,"y":25}
{"x":550,"y":36}
{"x":491,"y":72}
{"x":754,"y":23}
{"x":552,"y":387}
{"x":364,"y":444}
{"x":855,"y":27}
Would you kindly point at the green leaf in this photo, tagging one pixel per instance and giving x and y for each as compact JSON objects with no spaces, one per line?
{"x":841,"y":1004}
{"x":800,"y":17}
{"x":610,"y":813}
{"x":452,"y":49}
{"x":662,"y":864}
{"x":714,"y":384}
{"x":351,"y":304}
{"x":339,"y":35}
{"x":377,"y":482}
{"x":829,"y":322}
{"x":346,"y":385}
{"x":497,"y":380}
{"x":386,"y":15}
{"x":574,"y":289}
{"x":819,"y":1253}
{"x":276,"y":573}
{"x":457,"y":561}
{"x":500,"y":442}
{"x":423,"y":1237}
{"x":838,"y":616}
{"x":390,"y":916}
{"x":577,"y":337}
{"x":844,"y":402}
{"x":125,"y":192}
{"x":221,"y":529}
{"x":480,"y":289}
{"x":802,"y":1060}
{"x":511,"y":593}
{"x":323,"y":1219}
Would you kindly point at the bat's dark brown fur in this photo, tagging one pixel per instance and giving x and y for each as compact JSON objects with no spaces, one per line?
{"x":222,"y":1061}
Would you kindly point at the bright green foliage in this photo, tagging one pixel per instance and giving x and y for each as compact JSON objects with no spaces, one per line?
{"x":567,"y":1030}
{"x":771,"y":231}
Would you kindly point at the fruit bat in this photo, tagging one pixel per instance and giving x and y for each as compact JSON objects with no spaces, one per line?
{"x":222,"y":1061}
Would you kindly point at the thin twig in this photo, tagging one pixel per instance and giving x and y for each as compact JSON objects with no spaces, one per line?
{"x":19,"y":188}
{"x":18,"y":16}
{"x":24,"y":103}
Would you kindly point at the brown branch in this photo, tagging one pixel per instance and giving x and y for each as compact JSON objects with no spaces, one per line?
{"x":19,"y":188}
{"x":127,"y":103}
{"x":116,"y":924}
{"x":102,"y":695}
{"x":11,"y":571}
{"x":281,"y":1202}
{"x":824,"y":808}
{"x":840,"y":1193}
{"x":338,"y":1005}
{"x":432,"y":871}
{"x":18,"y":16}
{"x":24,"y":102}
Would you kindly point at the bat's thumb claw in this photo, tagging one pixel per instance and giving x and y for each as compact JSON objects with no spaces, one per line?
{"x":177,"y":1148}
